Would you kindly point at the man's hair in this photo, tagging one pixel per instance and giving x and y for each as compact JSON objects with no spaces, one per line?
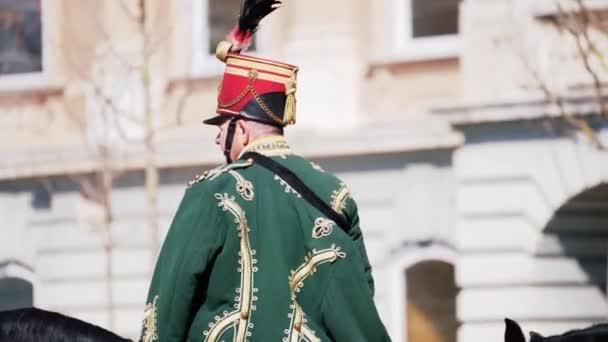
{"x":30,"y":325}
{"x":259,"y":129}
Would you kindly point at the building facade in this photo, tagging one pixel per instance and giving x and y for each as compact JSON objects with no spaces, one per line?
{"x":478,"y":200}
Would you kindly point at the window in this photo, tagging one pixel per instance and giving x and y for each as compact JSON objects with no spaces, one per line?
{"x":16,"y":285}
{"x":222,"y":16}
{"x":434,"y":18}
{"x":42,"y":197}
{"x":20,"y":37}
{"x":15,"y":293}
{"x":427,"y":29}
{"x":431,"y":302}
{"x":212,"y":21}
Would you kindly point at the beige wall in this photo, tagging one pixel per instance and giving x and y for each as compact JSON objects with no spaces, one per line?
{"x":409,"y":88}
{"x":354,"y":41}
{"x":101,"y":34}
{"x":353,"y":38}
{"x":37,"y":121}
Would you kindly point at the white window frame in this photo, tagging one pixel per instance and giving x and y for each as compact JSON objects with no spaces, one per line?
{"x":398,"y":290}
{"x":409,"y":48}
{"x":38,"y":79}
{"x":204,"y":64}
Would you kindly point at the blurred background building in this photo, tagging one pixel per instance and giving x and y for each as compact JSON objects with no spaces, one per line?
{"x":470,"y":132}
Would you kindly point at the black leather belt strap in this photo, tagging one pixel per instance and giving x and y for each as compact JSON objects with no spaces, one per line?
{"x":299,"y":186}
{"x":229,"y":139}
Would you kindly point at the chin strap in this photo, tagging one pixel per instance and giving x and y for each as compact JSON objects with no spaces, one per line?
{"x":229,"y":139}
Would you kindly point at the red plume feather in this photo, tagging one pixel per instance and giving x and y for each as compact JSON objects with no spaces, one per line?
{"x":252,"y":12}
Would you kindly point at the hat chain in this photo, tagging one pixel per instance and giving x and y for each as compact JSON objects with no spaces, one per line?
{"x":265,"y":108}
{"x":253,"y":75}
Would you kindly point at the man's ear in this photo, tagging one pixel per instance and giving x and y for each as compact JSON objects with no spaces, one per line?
{"x":243,"y":131}
{"x":513,"y":332}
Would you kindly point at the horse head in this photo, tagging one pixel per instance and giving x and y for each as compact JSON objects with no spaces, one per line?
{"x":30,"y":325}
{"x":594,"y":333}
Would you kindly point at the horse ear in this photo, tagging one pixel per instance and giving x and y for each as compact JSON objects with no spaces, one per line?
{"x":535,"y":337}
{"x":513,"y":332}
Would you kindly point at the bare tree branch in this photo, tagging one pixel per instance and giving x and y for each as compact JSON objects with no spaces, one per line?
{"x":78,"y":119}
{"x":50,"y":114}
{"x":88,"y":189}
{"x":47,"y":184}
{"x":583,"y":36}
{"x":151,"y":169}
{"x":110,"y":46}
{"x":590,"y":20}
{"x":559,"y":102}
{"x":177,"y":119}
{"x":101,"y":29}
{"x":154,"y":45}
{"x":128,"y":12}
{"x":106,"y":101}
{"x":555,"y":99}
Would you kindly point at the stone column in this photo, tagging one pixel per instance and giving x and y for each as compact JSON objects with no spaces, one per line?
{"x":14,"y":244}
{"x":494,"y":35}
{"x":323,"y":42}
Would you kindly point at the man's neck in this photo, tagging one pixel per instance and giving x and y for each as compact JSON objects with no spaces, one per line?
{"x":269,"y":145}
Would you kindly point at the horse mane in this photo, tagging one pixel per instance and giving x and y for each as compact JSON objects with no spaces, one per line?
{"x":30,"y":325}
{"x":594,"y":333}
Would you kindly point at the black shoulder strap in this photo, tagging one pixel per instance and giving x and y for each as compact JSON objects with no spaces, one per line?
{"x":299,"y":186}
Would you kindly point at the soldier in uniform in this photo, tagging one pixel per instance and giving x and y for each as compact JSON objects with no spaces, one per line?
{"x":267,"y":247}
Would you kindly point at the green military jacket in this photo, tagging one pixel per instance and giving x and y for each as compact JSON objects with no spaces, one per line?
{"x":248,"y":259}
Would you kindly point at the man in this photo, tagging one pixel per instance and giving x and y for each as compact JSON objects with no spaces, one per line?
{"x":268,"y":247}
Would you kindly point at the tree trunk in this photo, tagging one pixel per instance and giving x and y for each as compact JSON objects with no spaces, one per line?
{"x":151,"y":173}
{"x":106,"y":182}
{"x":109,"y":246}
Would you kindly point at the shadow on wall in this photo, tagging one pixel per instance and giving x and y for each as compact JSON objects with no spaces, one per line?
{"x":580,"y":228}
{"x":396,"y":161}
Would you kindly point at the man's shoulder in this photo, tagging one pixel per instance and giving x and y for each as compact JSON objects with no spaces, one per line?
{"x":324,"y":183}
{"x":215,"y":177}
{"x":310,"y":169}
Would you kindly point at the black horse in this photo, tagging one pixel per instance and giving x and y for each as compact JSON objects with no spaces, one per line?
{"x":595,"y":333}
{"x":35,"y":325}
